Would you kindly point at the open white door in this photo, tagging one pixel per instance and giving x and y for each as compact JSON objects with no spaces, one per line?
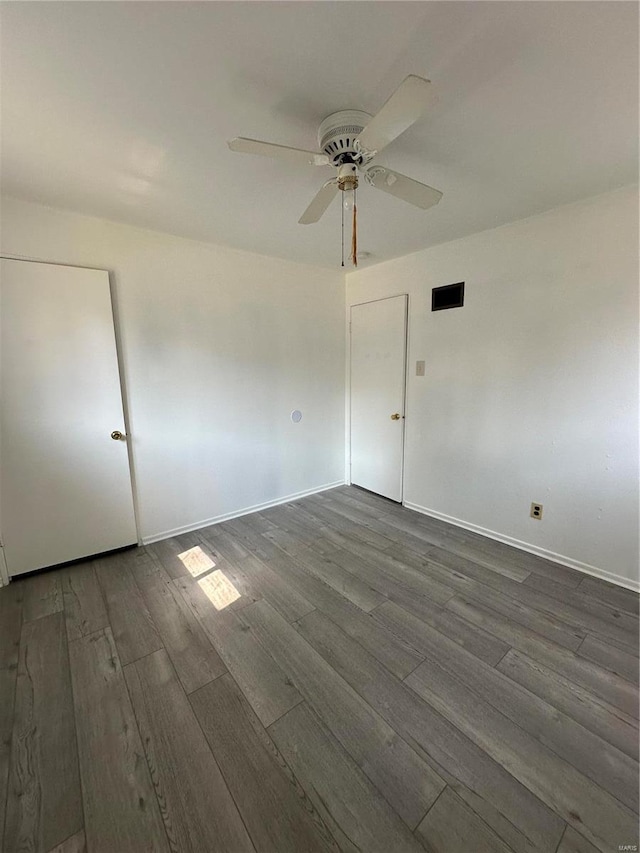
{"x":65,"y":483}
{"x":378,"y":357}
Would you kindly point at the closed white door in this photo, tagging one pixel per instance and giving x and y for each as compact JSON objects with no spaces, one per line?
{"x":378,"y":356}
{"x":65,"y":483}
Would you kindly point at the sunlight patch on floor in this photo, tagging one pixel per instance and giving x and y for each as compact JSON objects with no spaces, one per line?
{"x":196,"y":561}
{"x":219,"y":590}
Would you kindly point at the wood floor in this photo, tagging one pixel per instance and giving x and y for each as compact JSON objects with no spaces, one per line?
{"x":333,"y":674}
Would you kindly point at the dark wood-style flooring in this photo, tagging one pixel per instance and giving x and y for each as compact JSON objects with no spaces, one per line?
{"x":337,"y":673}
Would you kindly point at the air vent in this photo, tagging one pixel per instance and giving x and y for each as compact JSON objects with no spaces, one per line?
{"x":448,"y":296}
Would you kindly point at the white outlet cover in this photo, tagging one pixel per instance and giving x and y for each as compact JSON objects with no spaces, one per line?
{"x":296,"y":416}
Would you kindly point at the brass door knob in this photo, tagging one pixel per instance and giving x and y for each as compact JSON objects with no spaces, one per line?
{"x":116,"y":435}
{"x":395,"y":417}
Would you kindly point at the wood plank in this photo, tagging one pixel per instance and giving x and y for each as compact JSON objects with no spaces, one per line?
{"x":359,"y":817}
{"x":344,"y":498}
{"x":267,"y":584}
{"x":11,"y":601}
{"x":139,"y":560}
{"x":390,"y":576}
{"x":584,"y":601}
{"x":227,"y":589}
{"x":361,"y":497}
{"x":232,"y":584}
{"x":269,"y":690}
{"x":429,"y":530}
{"x":512,"y":811}
{"x":147,"y":566}
{"x":407,"y":782}
{"x":120,"y":808}
{"x":251,"y":530}
{"x":612,"y":770}
{"x":197,"y":809}
{"x":360,"y":515}
{"x":420,"y":595}
{"x":42,"y":595}
{"x":450,"y":825}
{"x":614,"y":659}
{"x":481,"y":644}
{"x":134,"y":633}
{"x":611,"y":594}
{"x":431,"y":538}
{"x":247,"y":530}
{"x":84,"y":607}
{"x":404,"y":539}
{"x":275,"y":808}
{"x":284,"y":518}
{"x":608,"y":722}
{"x":321,"y":544}
{"x":573,"y":842}
{"x":470,"y":569}
{"x":44,"y":803}
{"x":398,"y":656}
{"x":289,"y":542}
{"x":614,"y":690}
{"x":566,"y":604}
{"x":337,"y":523}
{"x":225,"y":540}
{"x":195,"y":660}
{"x":257,"y":522}
{"x":331,"y":569}
{"x":168,"y":552}
{"x":581,"y":803}
{"x":357,"y":493}
{"x":75,"y":844}
{"x":499,"y":556}
{"x":594,"y":615}
{"x":546,"y":624}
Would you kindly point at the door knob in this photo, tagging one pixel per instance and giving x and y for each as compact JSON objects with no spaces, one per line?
{"x":395,"y":417}
{"x":116,"y":435}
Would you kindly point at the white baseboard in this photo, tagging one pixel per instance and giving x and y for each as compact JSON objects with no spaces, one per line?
{"x":187,"y":528}
{"x":594,"y":571}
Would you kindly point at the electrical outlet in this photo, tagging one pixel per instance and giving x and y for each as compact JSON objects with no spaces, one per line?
{"x":536,"y":511}
{"x":419,"y":368}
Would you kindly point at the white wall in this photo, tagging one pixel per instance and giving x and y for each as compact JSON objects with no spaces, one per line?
{"x":218,"y":347}
{"x":531,"y":389}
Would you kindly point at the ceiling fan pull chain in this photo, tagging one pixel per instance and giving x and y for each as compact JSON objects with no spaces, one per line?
{"x":354,"y":233}
{"x":342,"y":214}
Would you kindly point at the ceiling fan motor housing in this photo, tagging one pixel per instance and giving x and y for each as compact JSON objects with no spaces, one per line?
{"x":337,"y":135}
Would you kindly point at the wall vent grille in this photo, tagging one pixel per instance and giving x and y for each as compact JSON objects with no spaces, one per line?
{"x":447,"y":296}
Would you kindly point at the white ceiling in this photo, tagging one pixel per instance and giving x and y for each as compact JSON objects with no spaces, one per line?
{"x":123,"y":110}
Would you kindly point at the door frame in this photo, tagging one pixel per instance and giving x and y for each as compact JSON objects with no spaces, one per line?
{"x":405,"y":396}
{"x":5,"y":578}
{"x":4,"y":572}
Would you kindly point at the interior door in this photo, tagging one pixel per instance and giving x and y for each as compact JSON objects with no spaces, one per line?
{"x":65,"y":483}
{"x":378,"y":358}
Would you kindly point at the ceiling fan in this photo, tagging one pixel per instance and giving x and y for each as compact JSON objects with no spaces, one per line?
{"x":349,"y":140}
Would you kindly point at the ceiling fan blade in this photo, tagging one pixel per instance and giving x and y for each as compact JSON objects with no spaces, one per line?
{"x":320,"y":203}
{"x":409,"y":101}
{"x":403,"y":187}
{"x":278,"y":152}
